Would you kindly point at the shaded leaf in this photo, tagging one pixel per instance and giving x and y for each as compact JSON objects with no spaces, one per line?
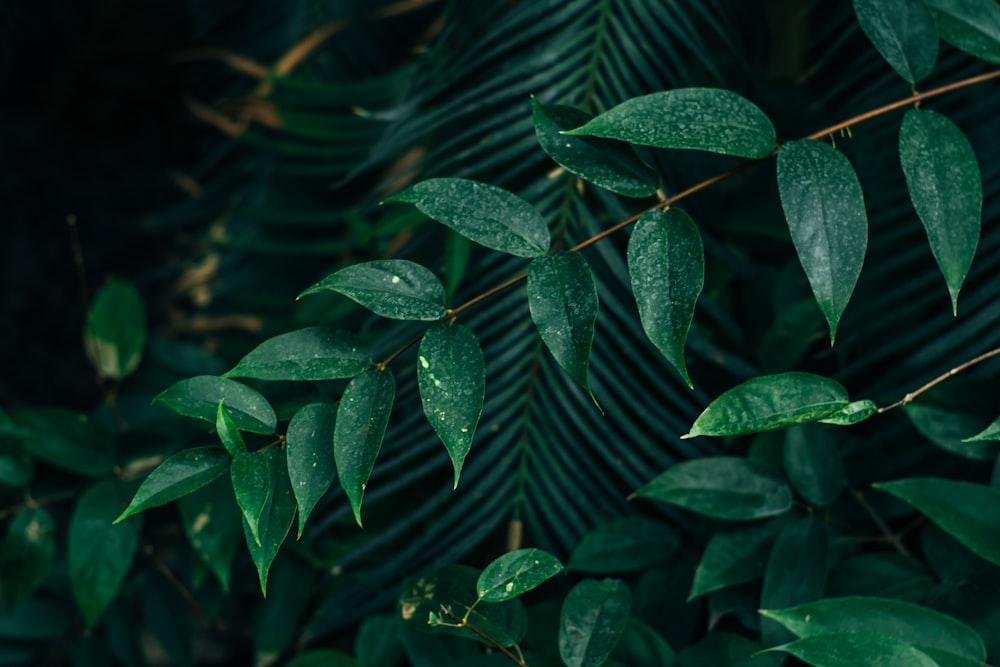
{"x":313,"y":353}
{"x":377,"y":642}
{"x":395,"y":288}
{"x":325,"y":657}
{"x":26,"y":558}
{"x":275,"y":520}
{"x":946,"y":416}
{"x":796,"y":572}
{"x":16,"y":465}
{"x":888,"y":575}
{"x":723,"y":648}
{"x":990,"y":434}
{"x":852,"y":413}
{"x":813,"y":464}
{"x":199,"y":397}
{"x":181,"y":474}
{"x":457,"y":251}
{"x":515,"y":573}
{"x":309,"y":453}
{"x":971,"y":25}
{"x":625,"y":544}
{"x":115,"y":334}
{"x":253,"y":485}
{"x":211,"y":520}
{"x":594,"y":617}
{"x":903,"y":31}
{"x":856,"y":649}
{"x":64,"y":438}
{"x":733,"y":556}
{"x":642,"y":646}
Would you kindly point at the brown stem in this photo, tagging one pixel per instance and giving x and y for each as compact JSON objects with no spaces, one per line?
{"x":890,"y":536}
{"x":462,"y":623}
{"x":941,"y":378}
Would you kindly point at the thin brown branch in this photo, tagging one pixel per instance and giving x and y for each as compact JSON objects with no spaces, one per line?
{"x":462,"y":623}
{"x":890,"y":537}
{"x":941,"y":378}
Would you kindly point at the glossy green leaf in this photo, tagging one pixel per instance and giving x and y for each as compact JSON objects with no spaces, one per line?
{"x":971,"y":25}
{"x":199,"y":397}
{"x":989,"y":434}
{"x":706,"y":119}
{"x":734,"y":556}
{"x":946,"y":189}
{"x":856,"y":649}
{"x":100,"y":553}
{"x":625,"y":544}
{"x":26,"y":557}
{"x":228,"y":433}
{"x":562,"y":298}
{"x":795,"y":573}
{"x":947,"y":415}
{"x":211,"y":520}
{"x":594,"y":617}
{"x":666,"y":263}
{"x":486,"y":214}
{"x":770,"y":402}
{"x":813,"y":464}
{"x":825,"y":211}
{"x":642,"y":646}
{"x":852,"y":413}
{"x":181,"y":474}
{"x":395,"y":288}
{"x":607,"y":164}
{"x":724,"y":487}
{"x":250,"y":473}
{"x":276,"y":518}
{"x":903,"y":31}
{"x":309,"y":453}
{"x":313,"y":353}
{"x":64,"y":438}
{"x":362,"y":418}
{"x":451,"y":376}
{"x":115,"y":334}
{"x":958,"y":508}
{"x":516,"y":573}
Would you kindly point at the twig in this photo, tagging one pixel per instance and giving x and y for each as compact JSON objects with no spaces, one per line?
{"x":890,"y":536}
{"x":941,"y":378}
{"x":462,"y":623}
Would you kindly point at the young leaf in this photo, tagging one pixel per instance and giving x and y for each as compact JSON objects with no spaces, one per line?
{"x":250,"y":473}
{"x":903,"y":32}
{"x":770,"y":402}
{"x":733,"y":556}
{"x":309,"y":452}
{"x":971,"y":25}
{"x":451,"y":375}
{"x":856,"y":649}
{"x":607,"y":164}
{"x":395,"y":288}
{"x":706,"y":119}
{"x":724,"y":487}
{"x":666,"y":263}
{"x":212,"y":524}
{"x":362,"y":418}
{"x":486,"y":214}
{"x":795,"y":573}
{"x":958,"y":508}
{"x":946,"y":188}
{"x":852,"y":413}
{"x":275,"y":521}
{"x":26,"y":557}
{"x":181,"y":474}
{"x":515,"y":573}
{"x":563,"y":303}
{"x":625,"y":544}
{"x":116,"y":330}
{"x":825,"y":211}
{"x":594,"y":616}
{"x":199,"y":397}
{"x":813,"y":464}
{"x":313,"y":353}
{"x":228,"y":433}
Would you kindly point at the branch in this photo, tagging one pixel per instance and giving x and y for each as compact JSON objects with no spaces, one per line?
{"x":462,"y":623}
{"x":941,"y":378}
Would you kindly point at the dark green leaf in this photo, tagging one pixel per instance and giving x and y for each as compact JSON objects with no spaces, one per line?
{"x":606,"y":164}
{"x":65,"y":439}
{"x":594,"y":616}
{"x":666,"y":263}
{"x":724,"y":649}
{"x":395,"y":288}
{"x":642,"y":646}
{"x":856,"y":649}
{"x":946,"y":188}
{"x":451,"y":375}
{"x":309,"y":452}
{"x":362,"y":417}
{"x":626,"y":544}
{"x":199,"y":397}
{"x":852,"y":413}
{"x":515,"y":573}
{"x":486,"y":214}
{"x":326,"y":657}
{"x":457,"y":251}
{"x":813,"y":464}
{"x":16,"y":465}
{"x":733,"y":556}
{"x":377,"y":642}
{"x":38,"y":619}
{"x":971,"y":25}
{"x":948,"y":415}
{"x":212,"y":523}
{"x":276,"y":519}
{"x":562,"y":298}
{"x":115,"y":334}
{"x":724,"y":487}
{"x":889,"y":575}
{"x":313,"y":353}
{"x":279,"y":619}
{"x":903,"y":32}
{"x":181,"y":474}
{"x":250,"y":473}
{"x":228,"y":433}
{"x":168,"y":619}
{"x":989,"y":434}
{"x":796,"y":572}
{"x":789,"y":337}
{"x":27,"y":555}
{"x":707,"y":119}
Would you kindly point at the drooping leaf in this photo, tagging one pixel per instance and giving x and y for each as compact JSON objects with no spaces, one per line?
{"x":958,"y":508}
{"x":770,"y":402}
{"x":115,"y":334}
{"x":64,"y":438}
{"x":666,"y":264}
{"x":625,"y":544}
{"x":707,"y":119}
{"x":451,"y":375}
{"x":607,"y":164}
{"x":362,"y":417}
{"x":199,"y":397}
{"x":181,"y":474}
{"x":971,"y":25}
{"x":642,"y":646}
{"x":946,"y":188}
{"x":733,"y":556}
{"x":856,"y":649}
{"x":211,"y":520}
{"x":486,"y":214}
{"x":275,"y":520}
{"x":395,"y":288}
{"x":795,"y":573}
{"x":903,"y":31}
{"x":813,"y":464}
{"x":313,"y":353}
{"x":594,"y":616}
{"x":26,"y":557}
{"x":724,"y":487}
{"x":825,"y":211}
{"x":309,"y":453}
{"x":852,"y":413}
{"x":228,"y":433}
{"x":515,"y":573}
{"x":253,"y":485}
{"x":562,"y":298}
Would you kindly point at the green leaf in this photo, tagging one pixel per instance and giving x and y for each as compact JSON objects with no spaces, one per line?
{"x":16,"y":465}
{"x":733,"y":556}
{"x":486,"y":214}
{"x":958,"y":508}
{"x":856,"y":649}
{"x":26,"y":557}
{"x":594,"y":617}
{"x":212,"y":524}
{"x":825,"y":211}
{"x":642,"y":646}
{"x":770,"y":402}
{"x":451,"y":375}
{"x":457,"y":251}
{"x":947,"y":415}
{"x":100,"y":553}
{"x":946,"y":188}
{"x":395,"y":288}
{"x":989,"y":434}
{"x":362,"y":418}
{"x":723,"y":649}
{"x":250,"y":473}
{"x":903,"y":31}
{"x":562,"y":298}
{"x":275,"y":520}
{"x":313,"y":353}
{"x":228,"y":433}
{"x":199,"y":397}
{"x":813,"y":464}
{"x":309,"y":452}
{"x":323,"y":658}
{"x":181,"y":474}
{"x":515,"y":573}
{"x":666,"y":263}
{"x":852,"y":413}
{"x":115,"y":334}
{"x":607,"y":164}
{"x":706,"y":119}
{"x":377,"y":641}
{"x":948,"y":641}
{"x":882,"y":574}
{"x":625,"y":544}
{"x":64,"y":438}
{"x":971,"y":25}
{"x":795,"y":573}
{"x":724,"y":487}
